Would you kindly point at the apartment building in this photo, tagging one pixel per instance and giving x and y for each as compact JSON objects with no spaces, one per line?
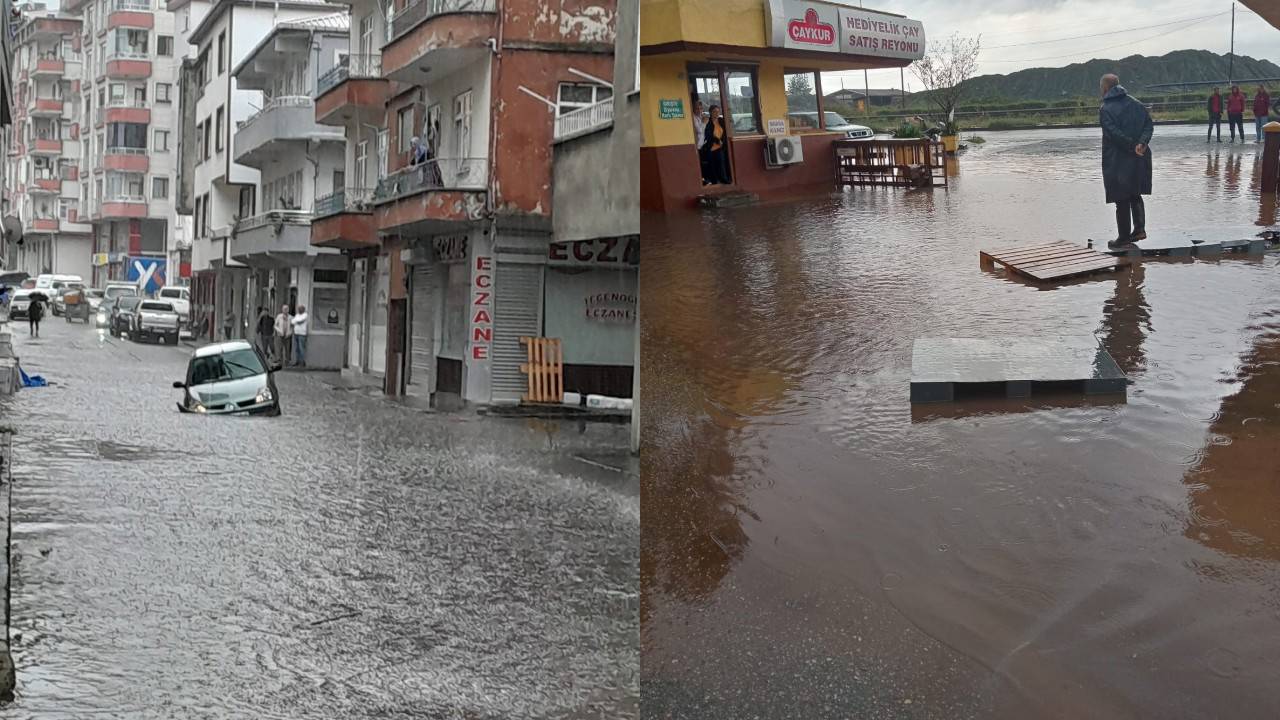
{"x":128,"y":100}
{"x":45,"y":160}
{"x":298,"y":159}
{"x":448,"y":257}
{"x":221,"y":189}
{"x":10,"y":225}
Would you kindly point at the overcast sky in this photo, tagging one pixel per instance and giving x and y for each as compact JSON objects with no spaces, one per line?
{"x":1014,"y":23}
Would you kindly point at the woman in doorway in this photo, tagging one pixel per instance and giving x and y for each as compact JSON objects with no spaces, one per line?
{"x":717,"y":149}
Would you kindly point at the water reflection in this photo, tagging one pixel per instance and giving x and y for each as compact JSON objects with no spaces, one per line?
{"x":1126,"y":319}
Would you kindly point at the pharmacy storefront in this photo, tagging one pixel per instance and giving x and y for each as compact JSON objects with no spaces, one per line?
{"x":762,"y":62}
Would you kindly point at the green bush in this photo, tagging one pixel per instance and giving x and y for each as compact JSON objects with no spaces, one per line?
{"x":907,"y":130}
{"x":975,"y":139}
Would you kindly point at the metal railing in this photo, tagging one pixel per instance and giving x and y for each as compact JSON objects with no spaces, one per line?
{"x":416,"y":12}
{"x":101,"y":113}
{"x":276,"y":103}
{"x":584,"y":120}
{"x":124,"y":197}
{"x":128,"y":55}
{"x":121,"y":150}
{"x":345,"y":200}
{"x":297,"y":217}
{"x":131,"y":5}
{"x":353,"y":66}
{"x":441,"y":174}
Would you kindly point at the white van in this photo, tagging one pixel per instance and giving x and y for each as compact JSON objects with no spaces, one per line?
{"x":50,"y":282}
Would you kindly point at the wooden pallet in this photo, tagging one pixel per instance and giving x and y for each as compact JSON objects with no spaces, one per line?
{"x":1049,"y":261}
{"x":1014,"y":366}
{"x":545,"y":370}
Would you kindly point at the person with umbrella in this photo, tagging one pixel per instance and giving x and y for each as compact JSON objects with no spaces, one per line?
{"x":35,"y":313}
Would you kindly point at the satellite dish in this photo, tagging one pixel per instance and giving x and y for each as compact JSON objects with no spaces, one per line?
{"x":12,"y":229}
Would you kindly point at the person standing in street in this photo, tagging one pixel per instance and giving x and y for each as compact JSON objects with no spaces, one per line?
{"x":229,"y":324}
{"x":264,"y":331}
{"x":282,"y":335}
{"x":1235,"y":112}
{"x":700,"y":138}
{"x":35,"y":313}
{"x":1215,"y":115}
{"x":1126,"y":159}
{"x":1261,"y":110}
{"x":299,"y":323}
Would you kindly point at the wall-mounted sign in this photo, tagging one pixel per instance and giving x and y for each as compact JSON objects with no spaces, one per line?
{"x":670,"y":109}
{"x":100,"y":259}
{"x":450,"y":248}
{"x":839,"y":26}
{"x":147,"y":272}
{"x":482,"y":308}
{"x":605,"y":251}
{"x":776,"y":126}
{"x":612,"y":307}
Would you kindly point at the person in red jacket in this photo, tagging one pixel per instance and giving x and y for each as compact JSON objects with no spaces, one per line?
{"x":1261,"y":109}
{"x":1215,"y":115}
{"x":1235,"y":112}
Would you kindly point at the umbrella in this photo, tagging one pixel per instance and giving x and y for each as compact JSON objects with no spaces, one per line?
{"x":40,"y":296}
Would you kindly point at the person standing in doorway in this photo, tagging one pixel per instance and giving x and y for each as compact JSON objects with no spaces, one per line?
{"x":1215,"y":115}
{"x":700,"y":138}
{"x":1261,"y":110}
{"x":229,"y":324}
{"x":264,"y":331}
{"x":717,"y":144}
{"x":282,"y":334}
{"x":1235,"y":112}
{"x":299,"y":323}
{"x":1126,"y":159}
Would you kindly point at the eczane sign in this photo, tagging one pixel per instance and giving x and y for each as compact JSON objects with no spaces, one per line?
{"x":838,"y":26}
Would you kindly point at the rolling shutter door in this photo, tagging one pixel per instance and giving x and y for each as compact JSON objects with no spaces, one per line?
{"x":518,"y":313}
{"x":422,"y":361}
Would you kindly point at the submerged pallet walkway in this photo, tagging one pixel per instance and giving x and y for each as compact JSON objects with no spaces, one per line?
{"x":1017,"y":366}
{"x":1189,"y":248}
{"x":1049,"y":261}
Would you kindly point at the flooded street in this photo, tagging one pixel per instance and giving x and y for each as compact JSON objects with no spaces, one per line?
{"x":351,"y":559}
{"x":813,"y":548}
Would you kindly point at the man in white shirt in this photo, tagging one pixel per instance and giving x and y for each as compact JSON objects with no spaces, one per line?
{"x":299,"y":323}
{"x":282,"y":332}
{"x":700,"y":138}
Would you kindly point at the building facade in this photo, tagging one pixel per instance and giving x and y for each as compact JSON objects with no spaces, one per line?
{"x":45,"y":161}
{"x":449,"y":252}
{"x":743,"y":55}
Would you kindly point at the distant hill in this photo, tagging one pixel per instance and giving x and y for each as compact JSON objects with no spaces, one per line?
{"x":1136,"y":72}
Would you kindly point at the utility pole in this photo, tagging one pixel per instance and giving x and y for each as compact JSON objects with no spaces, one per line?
{"x":1231,"y":56}
{"x":902,"y":83}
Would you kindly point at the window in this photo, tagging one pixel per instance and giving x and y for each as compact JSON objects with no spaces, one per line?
{"x":803,"y":113}
{"x":102,"y":97}
{"x":200,"y":138}
{"x":218,"y":130}
{"x":404,"y":128}
{"x":362,"y":163}
{"x":117,"y":92}
{"x":366,"y":35}
{"x":160,"y":188}
{"x":163,"y":91}
{"x":127,"y":135}
{"x":207,"y":126}
{"x":222,"y":55}
{"x":741,"y":95}
{"x":140,"y":96}
{"x":186,"y":18}
{"x":161,"y":143}
{"x":579,"y":95}
{"x":130,"y":41}
{"x":164,"y":45}
{"x":462,"y":124}
{"x":247,"y":205}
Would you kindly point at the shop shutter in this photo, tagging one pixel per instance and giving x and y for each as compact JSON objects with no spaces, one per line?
{"x":518,"y":313}
{"x":422,"y":358}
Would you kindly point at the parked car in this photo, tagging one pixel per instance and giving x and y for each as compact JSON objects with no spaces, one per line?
{"x":95,"y":297}
{"x":115,"y":289}
{"x":51,"y":283}
{"x":181,"y":299}
{"x":835,"y":122}
{"x":155,"y":319}
{"x":122,"y":312}
{"x":102,"y":317}
{"x":20,"y":303}
{"x":59,"y":304}
{"x":229,"y":378}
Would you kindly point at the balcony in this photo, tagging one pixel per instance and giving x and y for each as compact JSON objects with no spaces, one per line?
{"x":130,"y":14}
{"x":440,"y":35}
{"x":124,"y":111}
{"x":584,"y":121}
{"x":45,"y":146}
{"x":270,"y":133}
{"x":432,"y":196}
{"x":44,"y":224}
{"x":46,"y":185}
{"x":126,"y":159}
{"x":49,"y":67}
{"x":47,"y":107}
{"x":275,"y":238}
{"x":344,"y":220}
{"x":121,"y":207}
{"x":129,"y":66}
{"x":346,"y":89}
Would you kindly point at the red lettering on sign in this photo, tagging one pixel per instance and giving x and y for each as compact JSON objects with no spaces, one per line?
{"x":483,"y":263}
{"x":482,"y":298}
{"x":633,"y":252}
{"x":559,"y":251}
{"x":482,"y":316}
{"x":582,"y":252}
{"x":810,"y":31}
{"x":480,"y":352}
{"x":606,"y":255}
{"x":482,"y":335}
{"x":484,"y":281}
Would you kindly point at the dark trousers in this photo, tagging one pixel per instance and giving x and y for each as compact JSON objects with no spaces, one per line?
{"x":1236,"y":120}
{"x":1130,"y":208}
{"x":1215,"y":120}
{"x":718,"y":166}
{"x":703,"y":165}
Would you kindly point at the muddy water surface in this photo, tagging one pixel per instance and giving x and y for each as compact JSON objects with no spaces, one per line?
{"x":813,"y":548}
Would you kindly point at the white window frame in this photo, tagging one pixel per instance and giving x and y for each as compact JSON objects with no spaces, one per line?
{"x":159,"y":179}
{"x":362,"y":163}
{"x":160,"y":141}
{"x":462,"y":113}
{"x":564,"y":107}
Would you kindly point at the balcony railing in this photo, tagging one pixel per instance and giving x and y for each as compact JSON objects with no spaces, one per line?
{"x":280,"y":102}
{"x":131,"y":5}
{"x":118,"y":150}
{"x":118,"y":103}
{"x":346,"y":200}
{"x":352,"y":67}
{"x":128,"y":55}
{"x":297,"y":217}
{"x":584,"y":120}
{"x":441,"y":174}
{"x":416,"y":12}
{"x":123,"y":198}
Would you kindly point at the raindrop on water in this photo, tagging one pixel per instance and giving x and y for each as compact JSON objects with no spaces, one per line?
{"x":890,"y":581}
{"x":1224,"y":663}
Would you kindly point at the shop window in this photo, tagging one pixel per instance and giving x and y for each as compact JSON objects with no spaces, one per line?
{"x":802,"y":102}
{"x":742,"y":98}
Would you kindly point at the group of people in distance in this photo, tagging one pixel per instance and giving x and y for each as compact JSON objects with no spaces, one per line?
{"x":1233,"y":105}
{"x":282,"y":338}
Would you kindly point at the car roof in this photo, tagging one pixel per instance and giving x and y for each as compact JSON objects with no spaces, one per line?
{"x":222,"y":347}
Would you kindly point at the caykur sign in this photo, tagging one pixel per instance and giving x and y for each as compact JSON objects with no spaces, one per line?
{"x":838,"y":26}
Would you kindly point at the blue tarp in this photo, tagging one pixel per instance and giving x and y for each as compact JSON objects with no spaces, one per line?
{"x":32,"y":380}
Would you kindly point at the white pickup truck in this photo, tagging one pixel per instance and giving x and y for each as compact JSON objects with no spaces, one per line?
{"x":181,"y":299}
{"x":155,"y":319}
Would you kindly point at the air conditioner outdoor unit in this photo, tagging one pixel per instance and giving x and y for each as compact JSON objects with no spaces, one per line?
{"x":783,"y":150}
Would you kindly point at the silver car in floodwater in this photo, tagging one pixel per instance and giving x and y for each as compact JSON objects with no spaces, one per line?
{"x":230,"y":378}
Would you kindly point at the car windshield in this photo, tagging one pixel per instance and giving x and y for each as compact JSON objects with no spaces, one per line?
{"x":120,"y":290}
{"x":157,"y":306}
{"x":171,"y":293}
{"x":834,"y":119}
{"x":93,"y":293}
{"x":230,"y":365}
{"x":127,"y":303}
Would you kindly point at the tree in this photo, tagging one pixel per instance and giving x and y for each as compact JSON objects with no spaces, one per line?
{"x":945,"y":68}
{"x":800,"y":95}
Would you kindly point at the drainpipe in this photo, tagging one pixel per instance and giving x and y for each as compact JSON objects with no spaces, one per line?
{"x":494,"y":83}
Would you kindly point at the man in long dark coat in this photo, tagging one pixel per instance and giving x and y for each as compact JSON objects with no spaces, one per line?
{"x":1126,"y":159}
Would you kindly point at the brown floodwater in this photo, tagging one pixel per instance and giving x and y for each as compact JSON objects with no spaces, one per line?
{"x":814,"y":548}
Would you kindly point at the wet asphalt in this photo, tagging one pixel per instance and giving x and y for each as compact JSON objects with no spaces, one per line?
{"x":353,"y":558}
